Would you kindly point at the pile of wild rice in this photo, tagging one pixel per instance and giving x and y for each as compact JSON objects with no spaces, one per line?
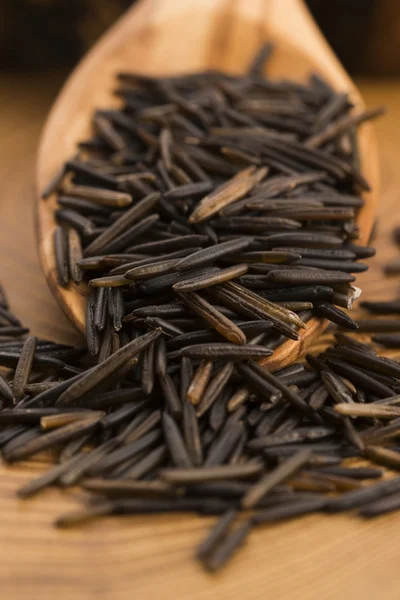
{"x":216,"y":207}
{"x":211,"y":216}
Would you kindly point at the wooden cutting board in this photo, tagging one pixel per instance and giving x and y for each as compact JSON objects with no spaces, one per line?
{"x":150,"y":558}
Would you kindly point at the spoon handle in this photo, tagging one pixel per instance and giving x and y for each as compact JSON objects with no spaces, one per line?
{"x":214,"y":19}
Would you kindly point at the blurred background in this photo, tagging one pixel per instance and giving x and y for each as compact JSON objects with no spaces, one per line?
{"x":365,"y":34}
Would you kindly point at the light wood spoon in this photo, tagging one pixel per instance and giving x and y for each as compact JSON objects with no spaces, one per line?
{"x":162,"y":37}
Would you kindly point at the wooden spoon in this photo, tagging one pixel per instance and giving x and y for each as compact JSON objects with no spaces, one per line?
{"x":164,"y":37}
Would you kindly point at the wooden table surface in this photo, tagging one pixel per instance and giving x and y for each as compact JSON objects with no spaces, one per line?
{"x":337,"y":557}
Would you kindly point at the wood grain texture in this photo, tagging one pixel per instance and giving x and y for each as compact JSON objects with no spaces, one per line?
{"x":158,"y":37}
{"x":24,"y":102}
{"x":150,"y":558}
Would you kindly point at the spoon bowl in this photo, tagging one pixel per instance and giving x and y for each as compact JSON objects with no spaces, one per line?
{"x":158,"y":37}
